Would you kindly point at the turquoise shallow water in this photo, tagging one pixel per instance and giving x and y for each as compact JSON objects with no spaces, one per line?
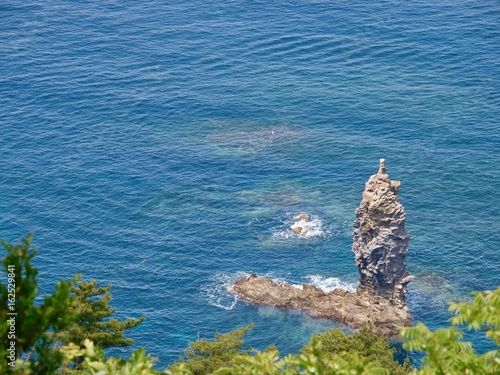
{"x":136,"y":146}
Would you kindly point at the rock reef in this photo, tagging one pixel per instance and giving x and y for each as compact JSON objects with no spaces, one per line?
{"x":380,"y":245}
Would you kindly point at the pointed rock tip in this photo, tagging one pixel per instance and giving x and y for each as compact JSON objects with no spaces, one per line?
{"x":383,"y":168}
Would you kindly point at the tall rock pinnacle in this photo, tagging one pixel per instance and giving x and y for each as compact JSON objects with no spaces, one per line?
{"x":380,"y":242}
{"x":380,"y":245}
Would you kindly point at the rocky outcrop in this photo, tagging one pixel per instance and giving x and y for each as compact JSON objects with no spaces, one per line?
{"x":301,"y":226}
{"x":380,"y":241}
{"x":353,"y":309}
{"x":380,"y":245}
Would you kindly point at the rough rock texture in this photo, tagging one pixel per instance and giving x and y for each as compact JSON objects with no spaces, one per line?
{"x":353,"y":309}
{"x":380,"y":246}
{"x":380,"y":242}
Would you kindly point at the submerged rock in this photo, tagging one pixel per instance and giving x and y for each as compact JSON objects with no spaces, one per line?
{"x":380,"y":246}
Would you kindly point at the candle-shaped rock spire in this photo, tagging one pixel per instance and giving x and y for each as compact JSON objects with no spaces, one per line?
{"x":380,"y":242}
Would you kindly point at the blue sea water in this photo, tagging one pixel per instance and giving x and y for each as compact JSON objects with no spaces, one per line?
{"x":136,"y":143}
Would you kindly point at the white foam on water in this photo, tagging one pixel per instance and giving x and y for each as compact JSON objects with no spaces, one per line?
{"x":218,"y":290}
{"x":309,"y":228}
{"x":327,"y":284}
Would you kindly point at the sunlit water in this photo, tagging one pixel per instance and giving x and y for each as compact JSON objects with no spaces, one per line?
{"x":168,"y":147}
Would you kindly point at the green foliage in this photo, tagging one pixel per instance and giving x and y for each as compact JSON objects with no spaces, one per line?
{"x":32,"y":320}
{"x":90,"y":323}
{"x":484,"y":310}
{"x":204,"y":357}
{"x":445,"y":352}
{"x":95,"y":364}
{"x":91,"y":307}
{"x":365,"y":344}
{"x":313,"y":361}
{"x":81,"y":318}
{"x":260,"y":363}
{"x":332,"y":352}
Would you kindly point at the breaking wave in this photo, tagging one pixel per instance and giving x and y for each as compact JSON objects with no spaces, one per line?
{"x":218,"y":290}
{"x":327,"y":284}
{"x":301,"y":226}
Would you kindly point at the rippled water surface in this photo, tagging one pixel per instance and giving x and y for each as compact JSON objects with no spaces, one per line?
{"x":167,"y":147}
